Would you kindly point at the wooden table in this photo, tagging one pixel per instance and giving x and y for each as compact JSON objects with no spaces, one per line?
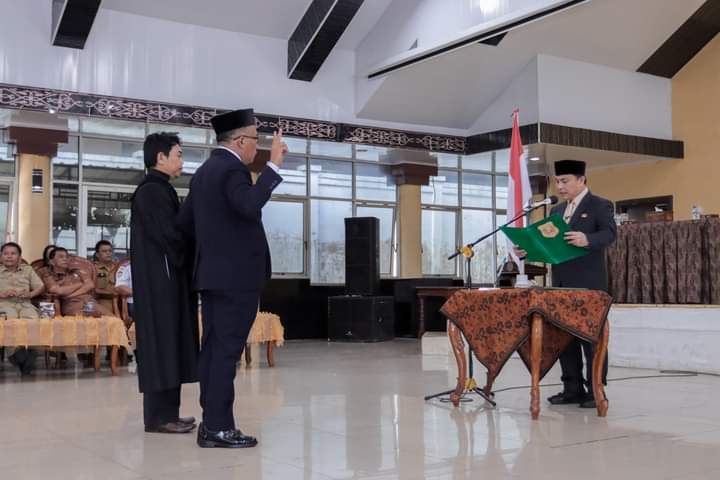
{"x":537,"y":323}
{"x":437,"y":292}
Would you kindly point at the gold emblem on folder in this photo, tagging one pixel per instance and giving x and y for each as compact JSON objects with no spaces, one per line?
{"x":548,"y":230}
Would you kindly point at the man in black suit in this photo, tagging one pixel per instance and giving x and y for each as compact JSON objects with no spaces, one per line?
{"x":592,"y":221}
{"x":232,"y":263}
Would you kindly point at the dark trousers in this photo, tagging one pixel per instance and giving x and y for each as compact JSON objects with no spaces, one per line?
{"x":571,"y":362}
{"x":24,"y":359}
{"x":227,"y":317}
{"x":161,"y":407}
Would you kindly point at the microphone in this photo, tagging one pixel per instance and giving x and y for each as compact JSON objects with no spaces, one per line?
{"x":551,"y":200}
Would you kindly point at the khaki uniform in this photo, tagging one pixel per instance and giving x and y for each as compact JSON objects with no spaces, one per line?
{"x":23,"y":279}
{"x":105,"y":280}
{"x":74,"y":305}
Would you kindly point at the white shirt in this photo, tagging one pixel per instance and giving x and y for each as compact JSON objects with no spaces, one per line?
{"x":572,"y":206}
{"x":123,"y":278}
{"x":275,"y":168}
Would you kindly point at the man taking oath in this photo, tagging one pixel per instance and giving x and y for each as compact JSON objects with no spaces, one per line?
{"x":592,"y":223}
{"x":232,"y":263}
{"x":165,"y":308}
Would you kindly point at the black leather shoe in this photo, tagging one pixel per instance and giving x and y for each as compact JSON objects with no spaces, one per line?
{"x":590,"y":402}
{"x":171,"y":427}
{"x":187,"y":421}
{"x":563,"y":398}
{"x":224,"y":439}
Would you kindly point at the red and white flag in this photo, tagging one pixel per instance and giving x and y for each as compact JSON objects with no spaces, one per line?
{"x":519,"y":191}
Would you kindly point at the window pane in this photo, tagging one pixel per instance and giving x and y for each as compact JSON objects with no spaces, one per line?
{"x":4,"y":209}
{"x":65,"y":212}
{"x":296,"y":145}
{"x":7,"y":160}
{"x":192,"y":159}
{"x":502,"y":241}
{"x":438,"y":241}
{"x":116,"y":128}
{"x":374,"y":182}
{"x":369,"y":152}
{"x":477,"y":223}
{"x":479,"y":161}
{"x":187,"y":134}
{"x":501,"y":192}
{"x":331,"y":149}
{"x":330,"y":178}
{"x":294,"y":174}
{"x":476,"y":190}
{"x":108,"y":218}
{"x":284,"y":225}
{"x":327,"y":240}
{"x":443,"y":189}
{"x":385,"y":215}
{"x":502,"y":161}
{"x":112,"y":161}
{"x":446,"y":160}
{"x":65,"y":164}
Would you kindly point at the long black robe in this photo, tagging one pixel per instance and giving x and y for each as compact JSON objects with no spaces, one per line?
{"x":165,"y":307}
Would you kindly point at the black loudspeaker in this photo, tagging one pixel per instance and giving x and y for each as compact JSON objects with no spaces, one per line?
{"x":362,"y":256}
{"x":361,"y":319}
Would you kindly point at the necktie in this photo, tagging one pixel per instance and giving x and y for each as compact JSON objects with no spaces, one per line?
{"x":569,"y":212}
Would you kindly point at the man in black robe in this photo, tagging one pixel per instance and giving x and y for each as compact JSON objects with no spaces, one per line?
{"x":165,"y":308}
{"x":232,"y":263}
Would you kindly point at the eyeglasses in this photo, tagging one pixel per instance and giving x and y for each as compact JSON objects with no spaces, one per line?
{"x":247,"y":136}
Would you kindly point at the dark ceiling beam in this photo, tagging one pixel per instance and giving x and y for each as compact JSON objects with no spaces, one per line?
{"x":686,"y":42}
{"x":317,"y":33}
{"x":72,"y":21}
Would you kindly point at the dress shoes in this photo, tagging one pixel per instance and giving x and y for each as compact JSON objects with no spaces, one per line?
{"x":563,"y":398}
{"x":224,"y":439}
{"x":590,"y":402}
{"x":171,"y":427}
{"x":187,"y":421}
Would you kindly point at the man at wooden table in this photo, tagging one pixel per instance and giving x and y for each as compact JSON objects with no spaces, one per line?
{"x":592,"y":222}
{"x":18,"y":284}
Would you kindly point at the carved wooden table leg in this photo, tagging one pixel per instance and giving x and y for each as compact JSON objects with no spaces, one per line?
{"x":536,"y":338}
{"x":421,"y":320}
{"x":598,"y":363}
{"x":270,"y":356}
{"x":98,"y":359}
{"x":114,"y":360}
{"x":458,"y":347}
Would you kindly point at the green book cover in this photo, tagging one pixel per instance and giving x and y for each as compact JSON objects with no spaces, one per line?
{"x":544,"y":241}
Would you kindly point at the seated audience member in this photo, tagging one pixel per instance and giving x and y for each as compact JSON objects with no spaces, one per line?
{"x":18,"y":285}
{"x":123,"y":285}
{"x":105,"y":274}
{"x":74,"y":287}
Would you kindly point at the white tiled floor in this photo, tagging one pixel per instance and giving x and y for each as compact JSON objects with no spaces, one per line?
{"x":356,"y":411}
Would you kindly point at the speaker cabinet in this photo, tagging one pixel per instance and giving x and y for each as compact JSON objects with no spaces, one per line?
{"x":361,"y":319}
{"x":362,"y":256}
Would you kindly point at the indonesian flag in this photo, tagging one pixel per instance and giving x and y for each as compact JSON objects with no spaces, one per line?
{"x":519,"y":191}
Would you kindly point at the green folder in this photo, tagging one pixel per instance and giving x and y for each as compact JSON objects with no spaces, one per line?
{"x":544,"y":241}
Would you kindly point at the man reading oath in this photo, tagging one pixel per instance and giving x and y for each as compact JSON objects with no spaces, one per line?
{"x":592,"y":223}
{"x":232,"y":263}
{"x":165,"y":309}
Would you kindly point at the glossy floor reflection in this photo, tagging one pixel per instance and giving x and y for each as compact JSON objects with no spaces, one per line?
{"x":353,"y":411}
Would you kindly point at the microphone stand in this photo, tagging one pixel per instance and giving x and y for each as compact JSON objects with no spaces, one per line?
{"x":471,"y":386}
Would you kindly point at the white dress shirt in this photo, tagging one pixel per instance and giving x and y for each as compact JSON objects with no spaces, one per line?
{"x":572,"y":206}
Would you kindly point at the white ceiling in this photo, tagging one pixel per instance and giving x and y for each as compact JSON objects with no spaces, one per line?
{"x":269,"y":18}
{"x":454,"y":89}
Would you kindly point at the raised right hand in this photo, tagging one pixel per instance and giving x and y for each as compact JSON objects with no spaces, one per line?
{"x":279,"y":149}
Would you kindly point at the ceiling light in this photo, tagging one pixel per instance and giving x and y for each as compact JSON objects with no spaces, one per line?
{"x":534,"y":159}
{"x":488,"y":7}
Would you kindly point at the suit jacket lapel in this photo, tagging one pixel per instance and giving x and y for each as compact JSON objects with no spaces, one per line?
{"x":580,"y":209}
